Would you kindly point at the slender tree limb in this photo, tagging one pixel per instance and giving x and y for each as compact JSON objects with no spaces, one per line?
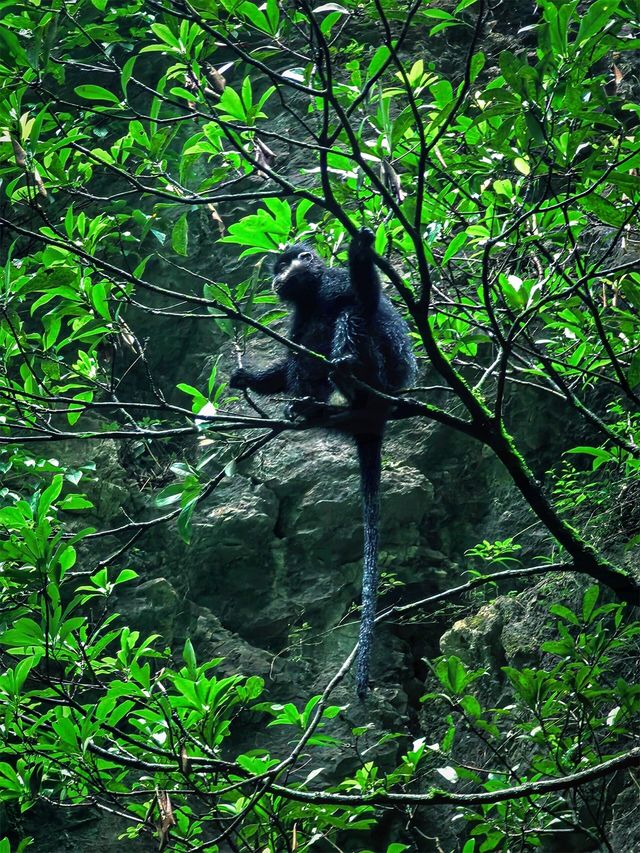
{"x":442,"y":798}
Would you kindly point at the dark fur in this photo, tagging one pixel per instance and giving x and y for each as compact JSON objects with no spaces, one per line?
{"x":343,"y":314}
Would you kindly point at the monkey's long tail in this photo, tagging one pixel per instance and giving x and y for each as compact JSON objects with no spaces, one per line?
{"x":370,"y":456}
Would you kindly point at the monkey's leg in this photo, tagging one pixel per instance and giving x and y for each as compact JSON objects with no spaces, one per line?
{"x":270,"y":381}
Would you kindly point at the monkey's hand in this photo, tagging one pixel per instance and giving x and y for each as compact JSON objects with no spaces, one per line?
{"x":362,"y":243}
{"x":240,"y":379}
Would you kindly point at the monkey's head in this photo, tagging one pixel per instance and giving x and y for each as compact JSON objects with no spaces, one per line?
{"x":298,"y":274}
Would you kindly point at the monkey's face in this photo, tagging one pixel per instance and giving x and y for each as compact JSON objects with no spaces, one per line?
{"x":297,"y":274}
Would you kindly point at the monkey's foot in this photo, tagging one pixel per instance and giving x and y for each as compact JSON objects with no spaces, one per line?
{"x":239,"y":379}
{"x":342,"y":367}
{"x":305,"y":408}
{"x":341,"y":374}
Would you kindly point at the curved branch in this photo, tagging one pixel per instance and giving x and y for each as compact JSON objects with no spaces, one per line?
{"x":443,"y":798}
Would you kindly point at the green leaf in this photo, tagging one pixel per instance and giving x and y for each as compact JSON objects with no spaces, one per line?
{"x":189,"y":657}
{"x":273,"y":15}
{"x":477,"y":64}
{"x":440,"y":14}
{"x":137,"y":131}
{"x":127,"y":71}
{"x":169,"y":495}
{"x":66,"y":731}
{"x":257,"y":17}
{"x":23,"y":669}
{"x":184,"y":522}
{"x":471,"y":706}
{"x":25,"y":632}
{"x":165,"y":35}
{"x":188,"y":689}
{"x":230,"y":104}
{"x":597,"y":16}
{"x":589,"y":601}
{"x":329,"y":22}
{"x":98,"y":297}
{"x":49,"y":495}
{"x":601,"y":456}
{"x":251,"y":689}
{"x":91,"y":92}
{"x":605,"y":210}
{"x":199,"y":401}
{"x":9,"y":778}
{"x":456,"y":673}
{"x":11,"y":51}
{"x":401,"y":124}
{"x":52,"y":324}
{"x":557,"y":647}
{"x":511,"y":66}
{"x":492,"y":841}
{"x":124,"y":576}
{"x":67,"y":559}
{"x":247,"y":94}
{"x":181,"y":92}
{"x":633,"y":373}
{"x":564,"y":613}
{"x":458,"y":241}
{"x":76,"y":501}
{"x":180,"y":236}
{"x":75,"y":412}
{"x":378,"y":59}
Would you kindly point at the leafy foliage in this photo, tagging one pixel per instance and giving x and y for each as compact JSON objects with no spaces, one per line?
{"x":541,"y":733}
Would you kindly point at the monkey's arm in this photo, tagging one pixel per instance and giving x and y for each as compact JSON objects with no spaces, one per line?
{"x":269,"y":381}
{"x":364,"y":276}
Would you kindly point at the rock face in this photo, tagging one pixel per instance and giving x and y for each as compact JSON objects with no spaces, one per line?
{"x":276,"y":553}
{"x":271,"y":579}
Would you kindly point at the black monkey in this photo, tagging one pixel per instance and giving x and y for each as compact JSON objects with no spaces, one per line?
{"x":343,"y":315}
